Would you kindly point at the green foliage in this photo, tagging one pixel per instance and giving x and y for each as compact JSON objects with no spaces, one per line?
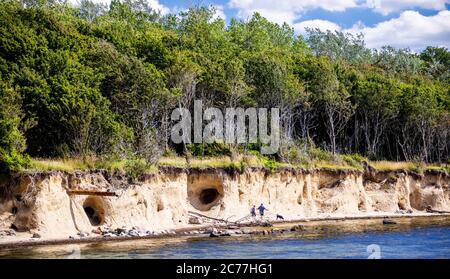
{"x":437,"y":62}
{"x":339,"y":46}
{"x":135,"y":167}
{"x":12,"y":161}
{"x":209,"y":149}
{"x":318,"y":154}
{"x":238,"y":166}
{"x":102,"y":81}
{"x":12,"y":140}
{"x":270,"y":164}
{"x":354,"y":160}
{"x":397,"y":61}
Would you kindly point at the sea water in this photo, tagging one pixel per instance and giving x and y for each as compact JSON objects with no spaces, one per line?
{"x":416,"y":242}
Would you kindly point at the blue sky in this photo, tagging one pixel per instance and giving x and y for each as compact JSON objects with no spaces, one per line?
{"x":400,"y":23}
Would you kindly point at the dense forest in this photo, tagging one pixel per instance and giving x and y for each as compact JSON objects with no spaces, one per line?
{"x":102,"y":81}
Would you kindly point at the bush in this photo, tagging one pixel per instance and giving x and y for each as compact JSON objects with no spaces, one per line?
{"x":11,"y":162}
{"x":135,"y":167}
{"x":209,"y":149}
{"x":169,"y":153}
{"x":270,"y":164}
{"x":12,"y":140}
{"x":318,"y":154}
{"x":238,"y":166}
{"x":354,"y":160}
{"x":416,"y":169}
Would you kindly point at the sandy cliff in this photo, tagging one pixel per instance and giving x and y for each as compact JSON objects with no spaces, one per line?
{"x":50,"y":203}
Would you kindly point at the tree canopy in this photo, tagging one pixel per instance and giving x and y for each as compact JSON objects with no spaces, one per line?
{"x":98,"y":80}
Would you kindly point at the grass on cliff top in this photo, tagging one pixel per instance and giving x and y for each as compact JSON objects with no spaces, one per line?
{"x":416,"y":167}
{"x":240,"y":162}
{"x":212,"y":162}
{"x":74,"y":164}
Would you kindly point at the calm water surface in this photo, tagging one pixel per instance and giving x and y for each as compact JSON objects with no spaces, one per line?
{"x":421,"y":242}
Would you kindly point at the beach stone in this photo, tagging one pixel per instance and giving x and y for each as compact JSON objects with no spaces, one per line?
{"x":120,"y":230}
{"x":194,"y":220}
{"x":212,"y":234}
{"x":297,"y":228}
{"x":36,"y":235}
{"x":8,"y":232}
{"x":133,"y":233}
{"x":82,"y":234}
{"x":97,"y":231}
{"x":389,"y":222}
{"x":275,"y":232}
{"x":105,"y":229}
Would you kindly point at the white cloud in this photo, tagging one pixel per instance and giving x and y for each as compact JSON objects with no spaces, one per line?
{"x":315,"y":23}
{"x":286,"y":10}
{"x":154,"y":4}
{"x":219,"y":12}
{"x":386,"y":7}
{"x":410,"y":29}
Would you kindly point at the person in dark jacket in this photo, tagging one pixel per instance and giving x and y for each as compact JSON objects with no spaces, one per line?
{"x":261,"y":209}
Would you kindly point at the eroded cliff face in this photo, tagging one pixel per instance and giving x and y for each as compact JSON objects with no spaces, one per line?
{"x":51,"y":204}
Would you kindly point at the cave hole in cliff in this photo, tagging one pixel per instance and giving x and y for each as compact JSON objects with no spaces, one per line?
{"x":94,"y":208}
{"x":208,"y":196}
{"x":204,"y":191}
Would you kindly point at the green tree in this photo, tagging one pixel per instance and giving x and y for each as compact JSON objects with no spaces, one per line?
{"x":12,"y":139}
{"x":377,"y":97}
{"x":339,"y":45}
{"x":437,"y":62}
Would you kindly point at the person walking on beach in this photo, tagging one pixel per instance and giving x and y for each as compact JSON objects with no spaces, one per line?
{"x":253,"y":211}
{"x":261,"y":209}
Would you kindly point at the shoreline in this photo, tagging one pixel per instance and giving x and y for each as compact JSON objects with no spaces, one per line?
{"x":190,"y":231}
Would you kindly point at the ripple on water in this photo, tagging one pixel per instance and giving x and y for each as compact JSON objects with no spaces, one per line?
{"x":432,"y":242}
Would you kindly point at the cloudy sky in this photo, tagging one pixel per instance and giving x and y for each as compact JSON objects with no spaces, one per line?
{"x":400,"y":23}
